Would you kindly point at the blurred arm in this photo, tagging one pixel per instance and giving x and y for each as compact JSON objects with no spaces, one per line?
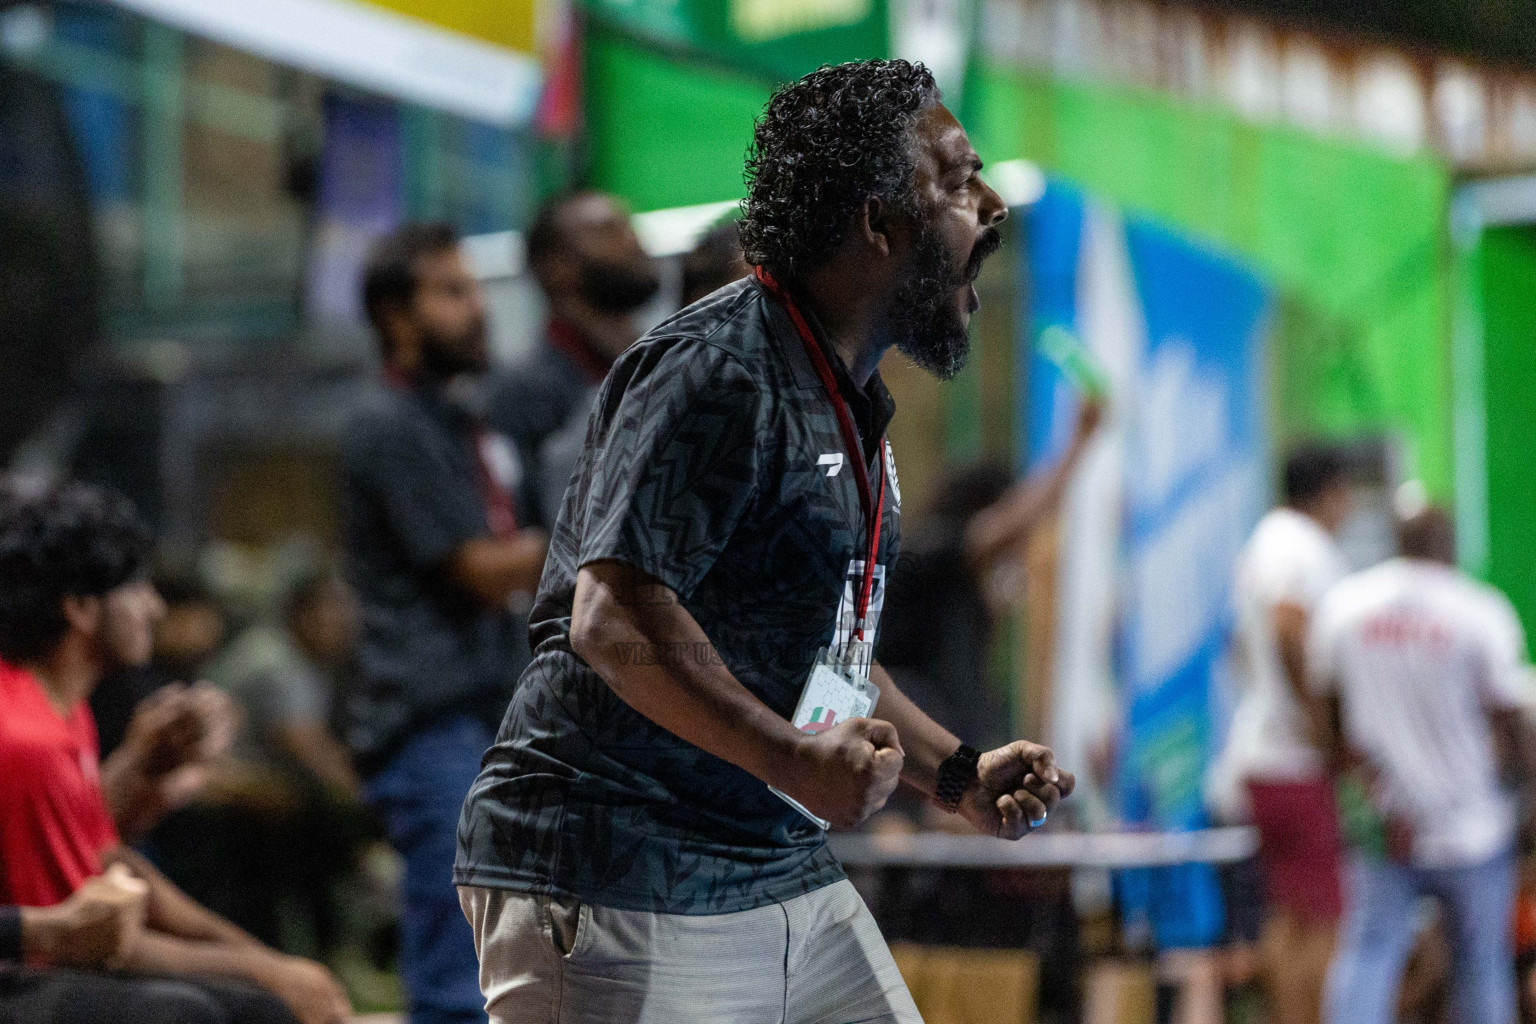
{"x":1515,"y":745}
{"x":174,"y":913}
{"x":493,"y":570}
{"x":1290,"y":625}
{"x":1009,"y":521}
{"x":321,"y":755}
{"x":173,"y":731}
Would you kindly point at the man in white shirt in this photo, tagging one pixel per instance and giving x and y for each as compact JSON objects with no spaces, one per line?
{"x":1422,"y":673}
{"x":1271,"y":770}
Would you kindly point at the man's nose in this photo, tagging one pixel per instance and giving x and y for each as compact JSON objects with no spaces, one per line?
{"x":993,"y":210}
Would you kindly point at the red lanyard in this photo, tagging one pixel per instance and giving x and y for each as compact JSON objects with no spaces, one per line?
{"x":873,"y":510}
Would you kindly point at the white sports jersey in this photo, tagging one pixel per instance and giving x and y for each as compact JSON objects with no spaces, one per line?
{"x":1290,"y":559}
{"x":1420,"y":655}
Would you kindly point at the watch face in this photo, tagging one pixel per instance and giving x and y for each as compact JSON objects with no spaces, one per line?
{"x":956,"y":772}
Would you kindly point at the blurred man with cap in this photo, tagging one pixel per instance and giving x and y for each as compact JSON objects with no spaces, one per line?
{"x":438,"y":549}
{"x":594,"y":276}
{"x":1423,"y":678}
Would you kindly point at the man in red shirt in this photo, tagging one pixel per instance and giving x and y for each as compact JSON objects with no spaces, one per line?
{"x":72,"y":585}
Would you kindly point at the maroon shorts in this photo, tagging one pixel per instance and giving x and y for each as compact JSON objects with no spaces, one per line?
{"x":1299,"y":843}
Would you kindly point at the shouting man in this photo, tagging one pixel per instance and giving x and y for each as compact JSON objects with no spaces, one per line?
{"x":646,"y":841}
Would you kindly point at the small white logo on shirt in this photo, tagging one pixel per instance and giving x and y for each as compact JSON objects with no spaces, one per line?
{"x":890,"y":472}
{"x":833,"y":461}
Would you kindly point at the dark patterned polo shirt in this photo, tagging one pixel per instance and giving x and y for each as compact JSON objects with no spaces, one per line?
{"x":713,"y":463}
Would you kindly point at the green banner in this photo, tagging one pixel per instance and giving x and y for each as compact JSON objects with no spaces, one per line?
{"x":772,"y":39}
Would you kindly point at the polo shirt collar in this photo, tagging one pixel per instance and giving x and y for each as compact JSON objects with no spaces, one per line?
{"x":872,"y":406}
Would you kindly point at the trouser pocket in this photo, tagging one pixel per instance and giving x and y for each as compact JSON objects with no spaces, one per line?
{"x":569,"y":920}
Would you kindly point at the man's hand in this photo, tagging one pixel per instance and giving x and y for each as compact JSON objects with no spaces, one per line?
{"x":1017,"y":786}
{"x":308,"y":989}
{"x":1090,"y":413}
{"x":97,"y":926}
{"x":846,"y":773}
{"x":177,"y":726}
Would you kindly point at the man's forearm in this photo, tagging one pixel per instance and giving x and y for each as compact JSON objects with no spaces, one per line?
{"x":176,"y":914}
{"x":1289,"y":622}
{"x":926,"y":742}
{"x":659,"y":661}
{"x":1010,"y":520}
{"x":159,"y":953}
{"x":494,"y":569}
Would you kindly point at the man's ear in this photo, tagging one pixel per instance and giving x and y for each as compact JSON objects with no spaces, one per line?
{"x":874,"y":225}
{"x":83,"y":614}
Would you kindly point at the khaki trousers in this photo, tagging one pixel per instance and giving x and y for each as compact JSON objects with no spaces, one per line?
{"x":816,"y":959}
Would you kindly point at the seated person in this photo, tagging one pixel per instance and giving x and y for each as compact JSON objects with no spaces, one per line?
{"x":71,"y":577}
{"x":295,"y":824}
{"x":160,"y":739}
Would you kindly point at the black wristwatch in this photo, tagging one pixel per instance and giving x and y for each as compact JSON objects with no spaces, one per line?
{"x":956,"y":773}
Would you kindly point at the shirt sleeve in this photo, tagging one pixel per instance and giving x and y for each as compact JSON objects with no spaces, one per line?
{"x":431,"y":510}
{"x":1299,"y":576}
{"x":10,"y":935}
{"x":674,"y":464}
{"x":1505,"y":676}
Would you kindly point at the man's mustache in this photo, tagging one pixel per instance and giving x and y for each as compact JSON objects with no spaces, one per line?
{"x":985,"y":246}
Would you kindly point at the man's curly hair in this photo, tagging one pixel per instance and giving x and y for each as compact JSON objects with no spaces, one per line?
{"x":822,"y":146}
{"x":67,"y":541}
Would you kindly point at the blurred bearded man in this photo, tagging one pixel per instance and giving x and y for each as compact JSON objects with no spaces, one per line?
{"x":646,"y":841}
{"x":438,"y":548}
{"x":594,"y":276}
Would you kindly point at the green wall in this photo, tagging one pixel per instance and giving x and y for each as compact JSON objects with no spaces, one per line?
{"x":1506,"y":267}
{"x":1353,"y":239}
{"x":664,"y":131}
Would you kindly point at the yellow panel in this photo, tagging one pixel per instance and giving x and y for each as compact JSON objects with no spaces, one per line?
{"x":508,"y":23}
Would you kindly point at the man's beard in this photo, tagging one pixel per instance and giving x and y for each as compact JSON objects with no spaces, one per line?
{"x":928,"y":326}
{"x":443,"y":357}
{"x":618,"y":288}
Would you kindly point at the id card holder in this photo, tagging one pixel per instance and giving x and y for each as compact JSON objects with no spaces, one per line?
{"x":859,"y":657}
{"x":833,"y":693}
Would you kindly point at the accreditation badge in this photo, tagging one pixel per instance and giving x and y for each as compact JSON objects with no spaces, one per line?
{"x":833,"y":693}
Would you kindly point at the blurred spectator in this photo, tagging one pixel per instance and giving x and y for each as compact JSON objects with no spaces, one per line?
{"x":714,"y":262}
{"x":1422,"y":673}
{"x":284,"y":676}
{"x":291,"y":819}
{"x":945,"y":593}
{"x":158,"y":738}
{"x":1287,"y":565}
{"x":71,"y":577}
{"x":189,"y":628}
{"x":937,"y":633}
{"x":84,"y":937}
{"x":437,"y":546}
{"x":595,"y":277}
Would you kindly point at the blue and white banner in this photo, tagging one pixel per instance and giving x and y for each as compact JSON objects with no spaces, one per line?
{"x":1153,"y":523}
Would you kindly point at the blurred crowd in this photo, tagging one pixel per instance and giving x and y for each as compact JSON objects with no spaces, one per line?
{"x":273,"y":774}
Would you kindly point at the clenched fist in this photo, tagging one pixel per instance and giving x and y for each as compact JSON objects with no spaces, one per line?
{"x":846,"y":773}
{"x":98,"y":926}
{"x":1017,"y":786}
